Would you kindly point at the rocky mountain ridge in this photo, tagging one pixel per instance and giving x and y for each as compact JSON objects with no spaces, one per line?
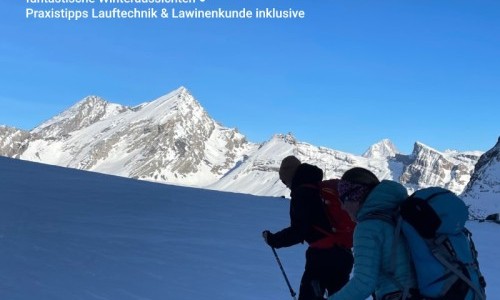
{"x":483,"y":190}
{"x":171,"y":139}
{"x":424,"y":167}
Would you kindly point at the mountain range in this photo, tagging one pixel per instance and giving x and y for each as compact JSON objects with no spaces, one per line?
{"x":174,"y":140}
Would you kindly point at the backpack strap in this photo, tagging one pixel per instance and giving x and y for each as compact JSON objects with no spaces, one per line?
{"x":474,"y":255}
{"x":441,"y":242}
{"x":435,"y":251}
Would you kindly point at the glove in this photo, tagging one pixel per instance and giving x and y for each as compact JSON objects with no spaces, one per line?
{"x":268,"y":238}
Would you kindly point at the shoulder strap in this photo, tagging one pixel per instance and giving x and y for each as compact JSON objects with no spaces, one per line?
{"x":482,"y":282}
{"x":459,"y":273}
{"x":437,"y":244}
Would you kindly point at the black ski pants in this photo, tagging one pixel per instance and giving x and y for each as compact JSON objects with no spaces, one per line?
{"x":326,"y":269}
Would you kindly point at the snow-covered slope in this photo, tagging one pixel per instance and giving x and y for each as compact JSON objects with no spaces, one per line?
{"x":258,"y":174}
{"x":69,"y":234}
{"x":483,"y":190}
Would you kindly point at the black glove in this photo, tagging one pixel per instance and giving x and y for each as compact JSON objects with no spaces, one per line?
{"x":268,"y":238}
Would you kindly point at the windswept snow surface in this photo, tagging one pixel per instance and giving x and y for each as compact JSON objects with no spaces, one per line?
{"x":69,"y":234}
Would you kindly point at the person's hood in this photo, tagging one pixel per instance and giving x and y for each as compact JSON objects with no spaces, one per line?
{"x":387,"y":195}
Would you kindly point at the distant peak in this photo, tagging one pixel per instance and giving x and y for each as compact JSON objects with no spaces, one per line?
{"x":419,"y":147}
{"x":90,"y":101}
{"x":287,"y":138}
{"x":84,"y":113}
{"x":93,"y":98}
{"x":180,"y":91}
{"x":5,"y":128}
{"x":177,"y":96}
{"x":88,"y":106}
{"x":384,"y":148}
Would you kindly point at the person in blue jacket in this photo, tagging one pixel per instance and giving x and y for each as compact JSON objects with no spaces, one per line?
{"x":379,"y":269}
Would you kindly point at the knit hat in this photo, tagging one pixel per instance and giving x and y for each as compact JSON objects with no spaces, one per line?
{"x":356,"y":184}
{"x":287,"y":169}
{"x":361,"y":176}
{"x":352,"y":192}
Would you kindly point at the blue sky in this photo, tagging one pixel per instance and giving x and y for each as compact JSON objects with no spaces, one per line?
{"x":348,"y":75}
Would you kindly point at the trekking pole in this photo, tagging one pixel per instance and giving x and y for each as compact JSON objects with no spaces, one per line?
{"x":292,"y":292}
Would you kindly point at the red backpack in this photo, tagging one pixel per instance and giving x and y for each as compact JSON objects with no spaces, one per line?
{"x":342,"y":227}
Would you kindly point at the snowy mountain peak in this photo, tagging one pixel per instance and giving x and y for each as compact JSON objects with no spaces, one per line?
{"x":178,"y":103}
{"x":170,"y":139}
{"x":176,"y":97}
{"x":419,"y":146}
{"x":287,"y":138}
{"x":86,"y":112}
{"x":384,"y":148}
{"x":185,"y":100}
{"x":429,"y":167}
{"x":90,"y":101}
{"x":7,"y":128}
{"x":90,"y":105}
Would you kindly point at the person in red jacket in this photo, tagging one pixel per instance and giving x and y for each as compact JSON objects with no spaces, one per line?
{"x":327,"y":266}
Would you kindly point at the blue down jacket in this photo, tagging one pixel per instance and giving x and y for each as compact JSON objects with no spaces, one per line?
{"x":373,"y":240}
